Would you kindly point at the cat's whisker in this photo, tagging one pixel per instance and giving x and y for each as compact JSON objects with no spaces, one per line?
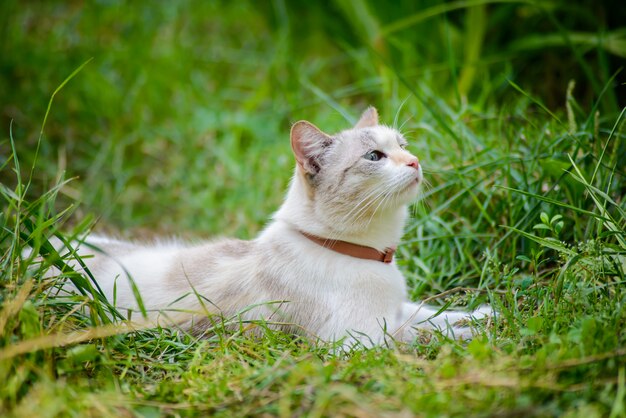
{"x":383,"y":195}
{"x":395,"y":118}
{"x":381,"y":190}
{"x":369,"y":221}
{"x":348,"y":222}
{"x":377,"y":191}
{"x":421,"y":202}
{"x":405,"y":133}
{"x":389,"y":193}
{"x":374,"y":193}
{"x":388,"y":187}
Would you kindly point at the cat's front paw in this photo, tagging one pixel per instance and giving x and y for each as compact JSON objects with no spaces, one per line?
{"x":483,"y":311}
{"x":468,"y":327}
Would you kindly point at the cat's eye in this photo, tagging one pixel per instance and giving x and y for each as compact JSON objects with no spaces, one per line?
{"x":374,"y":156}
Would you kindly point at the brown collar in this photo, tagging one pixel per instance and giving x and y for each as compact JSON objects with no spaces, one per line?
{"x":353,"y":250}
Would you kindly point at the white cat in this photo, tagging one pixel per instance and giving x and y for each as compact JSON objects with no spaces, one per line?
{"x":323,"y":267}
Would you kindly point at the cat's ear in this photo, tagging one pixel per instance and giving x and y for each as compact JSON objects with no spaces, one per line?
{"x":368,"y":119}
{"x":308,"y":144}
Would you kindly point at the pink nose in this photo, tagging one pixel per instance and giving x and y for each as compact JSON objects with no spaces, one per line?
{"x":414,"y":162}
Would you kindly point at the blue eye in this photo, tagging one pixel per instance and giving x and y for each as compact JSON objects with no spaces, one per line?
{"x":374,"y":156}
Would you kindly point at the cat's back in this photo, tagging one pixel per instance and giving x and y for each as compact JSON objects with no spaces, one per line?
{"x":106,"y":256}
{"x":163,"y":271}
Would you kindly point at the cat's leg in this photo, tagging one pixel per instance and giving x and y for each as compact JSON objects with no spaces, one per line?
{"x":454,"y":324}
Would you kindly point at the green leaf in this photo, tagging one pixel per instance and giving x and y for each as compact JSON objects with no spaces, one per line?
{"x":83,"y":353}
{"x":555,"y":218}
{"x":546,"y":242}
{"x":558,"y":227}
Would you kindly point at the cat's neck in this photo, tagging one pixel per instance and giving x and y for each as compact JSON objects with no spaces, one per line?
{"x":381,"y":231}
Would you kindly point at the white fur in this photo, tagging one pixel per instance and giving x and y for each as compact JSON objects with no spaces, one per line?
{"x":282,"y":276}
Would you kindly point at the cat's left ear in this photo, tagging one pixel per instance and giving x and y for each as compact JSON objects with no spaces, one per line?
{"x":308,"y":144}
{"x":368,"y":119}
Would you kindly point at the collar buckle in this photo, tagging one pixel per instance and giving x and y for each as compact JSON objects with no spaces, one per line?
{"x":388,"y":255}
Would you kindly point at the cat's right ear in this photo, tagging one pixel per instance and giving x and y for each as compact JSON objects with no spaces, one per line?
{"x":368,"y":119}
{"x":308,"y":144}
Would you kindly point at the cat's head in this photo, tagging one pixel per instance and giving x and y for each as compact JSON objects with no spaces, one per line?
{"x":358,"y":173}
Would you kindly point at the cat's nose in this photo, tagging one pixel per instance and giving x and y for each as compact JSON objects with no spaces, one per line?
{"x":414,"y":162}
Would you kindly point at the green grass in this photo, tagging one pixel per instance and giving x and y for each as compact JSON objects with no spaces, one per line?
{"x":178,"y":124}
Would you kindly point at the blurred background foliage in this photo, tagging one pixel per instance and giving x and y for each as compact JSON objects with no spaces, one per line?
{"x":180,"y":122}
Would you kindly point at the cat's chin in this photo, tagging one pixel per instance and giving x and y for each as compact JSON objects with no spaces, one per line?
{"x":409,"y":193}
